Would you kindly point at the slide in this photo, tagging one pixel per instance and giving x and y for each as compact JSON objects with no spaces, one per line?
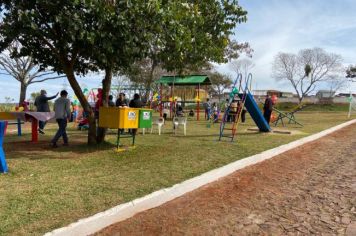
{"x":256,"y":113}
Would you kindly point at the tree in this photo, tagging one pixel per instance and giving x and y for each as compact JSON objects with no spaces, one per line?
{"x":75,"y":37}
{"x":34,"y":95}
{"x":220,"y":82}
{"x":242,"y":66}
{"x":336,"y":84}
{"x":351,"y":73}
{"x":306,"y":69}
{"x":192,"y":34}
{"x":23,"y":69}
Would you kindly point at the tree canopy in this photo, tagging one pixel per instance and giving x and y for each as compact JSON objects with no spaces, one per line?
{"x":351,"y":72}
{"x":76,"y":37}
{"x":23,"y":69}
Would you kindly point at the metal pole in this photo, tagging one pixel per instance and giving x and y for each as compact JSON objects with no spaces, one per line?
{"x":351,"y":98}
{"x":160,"y":99}
{"x":198,"y":105}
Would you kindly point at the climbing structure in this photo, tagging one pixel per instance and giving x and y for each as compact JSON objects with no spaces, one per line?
{"x":246,"y":100}
{"x":228,"y":127}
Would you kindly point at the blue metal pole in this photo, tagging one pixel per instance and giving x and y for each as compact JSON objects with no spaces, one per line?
{"x":19,"y":132}
{"x":3,"y":165}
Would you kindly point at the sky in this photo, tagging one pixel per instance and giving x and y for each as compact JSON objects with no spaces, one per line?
{"x":273,"y":26}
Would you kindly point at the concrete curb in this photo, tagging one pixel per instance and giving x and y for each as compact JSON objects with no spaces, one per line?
{"x":124,"y":211}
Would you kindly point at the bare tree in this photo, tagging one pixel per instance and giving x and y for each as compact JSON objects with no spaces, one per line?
{"x":220,"y":82}
{"x":23,"y":69}
{"x":336,"y":84}
{"x":242,"y":66}
{"x":306,"y":69}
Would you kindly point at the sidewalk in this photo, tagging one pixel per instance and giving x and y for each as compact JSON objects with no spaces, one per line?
{"x":309,"y":190}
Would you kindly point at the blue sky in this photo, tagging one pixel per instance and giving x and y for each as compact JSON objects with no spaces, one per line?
{"x":290,"y":25}
{"x":273,"y":26}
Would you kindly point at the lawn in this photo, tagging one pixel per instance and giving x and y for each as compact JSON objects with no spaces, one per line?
{"x":50,"y":188}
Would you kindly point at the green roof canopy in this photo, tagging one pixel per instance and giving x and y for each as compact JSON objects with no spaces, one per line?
{"x":189,"y":80}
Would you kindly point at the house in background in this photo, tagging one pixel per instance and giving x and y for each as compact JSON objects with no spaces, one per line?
{"x":346,"y":95}
{"x":271,"y":92}
{"x":321,"y":94}
{"x":325,"y":96}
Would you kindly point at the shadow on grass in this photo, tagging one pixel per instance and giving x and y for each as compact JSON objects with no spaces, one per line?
{"x":43,"y":150}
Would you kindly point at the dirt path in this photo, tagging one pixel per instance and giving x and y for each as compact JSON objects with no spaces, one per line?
{"x":309,"y":190}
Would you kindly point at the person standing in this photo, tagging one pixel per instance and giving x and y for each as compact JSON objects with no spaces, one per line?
{"x":41,"y":103}
{"x":267,"y":109}
{"x":207,"y":107}
{"x":62,"y":115}
{"x":135,"y":103}
{"x":121,"y":101}
{"x":111,"y":102}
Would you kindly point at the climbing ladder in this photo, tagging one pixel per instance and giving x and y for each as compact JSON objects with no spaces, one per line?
{"x":225,"y":126}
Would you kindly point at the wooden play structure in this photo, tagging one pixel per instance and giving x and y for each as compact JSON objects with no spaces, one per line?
{"x":190,"y":89}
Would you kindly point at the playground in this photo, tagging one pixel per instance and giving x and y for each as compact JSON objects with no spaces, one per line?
{"x":50,"y":188}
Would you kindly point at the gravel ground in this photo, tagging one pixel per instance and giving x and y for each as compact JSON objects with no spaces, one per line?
{"x":308,"y":190}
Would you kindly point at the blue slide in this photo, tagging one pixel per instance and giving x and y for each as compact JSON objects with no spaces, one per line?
{"x":256,"y":113}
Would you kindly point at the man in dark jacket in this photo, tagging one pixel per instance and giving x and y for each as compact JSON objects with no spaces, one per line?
{"x":136,"y":102}
{"x":41,"y":103}
{"x":121,"y":101}
{"x":267,"y":108}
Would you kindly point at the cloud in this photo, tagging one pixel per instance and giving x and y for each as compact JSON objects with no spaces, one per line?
{"x":272,"y":26}
{"x":288,"y":26}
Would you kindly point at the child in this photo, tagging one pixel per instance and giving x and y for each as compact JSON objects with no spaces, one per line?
{"x":191,"y":113}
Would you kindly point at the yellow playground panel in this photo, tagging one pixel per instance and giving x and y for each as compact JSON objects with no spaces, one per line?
{"x":118,"y":118}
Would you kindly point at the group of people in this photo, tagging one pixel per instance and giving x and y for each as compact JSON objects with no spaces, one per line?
{"x":63,"y":113}
{"x":211,"y":109}
{"x":62,"y":109}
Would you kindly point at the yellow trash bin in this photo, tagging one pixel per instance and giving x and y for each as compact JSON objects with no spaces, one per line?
{"x":109,"y":117}
{"x":128,"y":118}
{"x":118,"y":118}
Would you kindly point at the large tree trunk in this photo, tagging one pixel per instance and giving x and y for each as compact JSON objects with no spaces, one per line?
{"x":23,"y":91}
{"x":106,"y":92}
{"x":149,"y":81}
{"x":85,"y":104}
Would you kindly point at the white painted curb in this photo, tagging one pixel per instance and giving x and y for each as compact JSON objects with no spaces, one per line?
{"x":124,"y":211}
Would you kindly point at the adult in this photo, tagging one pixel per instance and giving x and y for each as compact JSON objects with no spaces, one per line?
{"x":121,"y":101}
{"x":98,"y":103}
{"x":135,"y":103}
{"x":267,"y":108}
{"x":243,"y":111}
{"x":111,"y":102}
{"x":41,"y":103}
{"x":207,"y":107}
{"x":62,"y":115}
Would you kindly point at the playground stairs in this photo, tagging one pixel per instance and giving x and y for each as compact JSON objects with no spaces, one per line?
{"x":229,"y":127}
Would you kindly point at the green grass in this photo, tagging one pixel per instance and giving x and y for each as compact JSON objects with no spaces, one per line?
{"x":50,"y":188}
{"x":314,"y":107}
